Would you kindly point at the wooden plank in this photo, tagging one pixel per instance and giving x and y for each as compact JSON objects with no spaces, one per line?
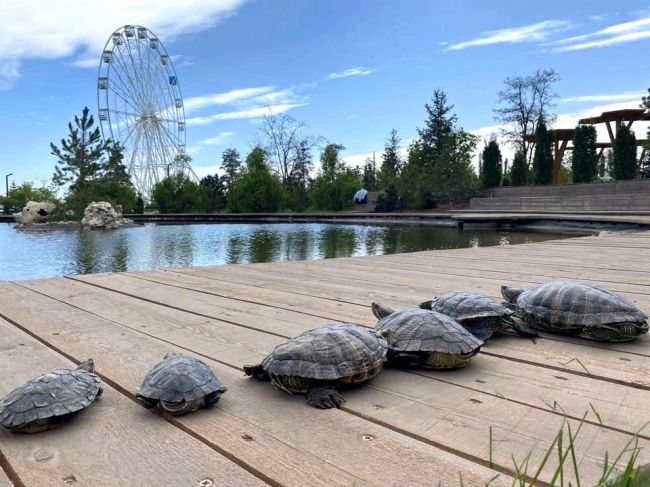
{"x":291,"y":443}
{"x":428,"y":406}
{"x":366,"y":290}
{"x":115,"y":426}
{"x":4,"y":480}
{"x":544,"y":386}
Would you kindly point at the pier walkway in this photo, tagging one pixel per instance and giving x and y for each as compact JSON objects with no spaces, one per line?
{"x":475,"y":426}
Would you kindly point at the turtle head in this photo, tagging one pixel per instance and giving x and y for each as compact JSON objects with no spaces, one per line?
{"x":381,"y":310}
{"x":510,"y":293}
{"x":87,"y":365}
{"x":427,"y":304}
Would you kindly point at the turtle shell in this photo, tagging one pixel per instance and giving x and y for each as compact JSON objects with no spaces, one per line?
{"x":576,"y":304}
{"x":180,"y":378}
{"x":420,"y":330}
{"x":331,"y":352}
{"x":58,"y":393}
{"x":466,"y":306}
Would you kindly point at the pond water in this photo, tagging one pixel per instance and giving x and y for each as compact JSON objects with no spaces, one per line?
{"x":37,"y":254}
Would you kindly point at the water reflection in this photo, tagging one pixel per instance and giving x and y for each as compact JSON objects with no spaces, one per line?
{"x":38,"y":254}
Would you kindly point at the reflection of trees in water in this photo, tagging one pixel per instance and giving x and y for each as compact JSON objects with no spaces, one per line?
{"x":264,"y":246}
{"x":298,"y":246}
{"x":174,"y":247}
{"x":337,"y":242}
{"x":234,"y":249}
{"x":100,"y":251}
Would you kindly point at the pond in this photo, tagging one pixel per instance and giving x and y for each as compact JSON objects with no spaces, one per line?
{"x":37,"y":254}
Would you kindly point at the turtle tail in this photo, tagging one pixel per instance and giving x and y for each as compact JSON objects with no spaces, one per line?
{"x":381,"y":310}
{"x":510,"y":293}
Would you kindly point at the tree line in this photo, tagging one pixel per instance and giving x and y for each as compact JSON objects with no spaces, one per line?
{"x":277,"y":174}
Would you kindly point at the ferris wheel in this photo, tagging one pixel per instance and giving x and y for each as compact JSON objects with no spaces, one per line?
{"x":141,"y":107}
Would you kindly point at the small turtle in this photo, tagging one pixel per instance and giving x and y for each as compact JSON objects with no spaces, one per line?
{"x":478,"y":313}
{"x":180,"y":385}
{"x":318,"y":361}
{"x":576,"y":308}
{"x":51,"y":399}
{"x":424,"y":338}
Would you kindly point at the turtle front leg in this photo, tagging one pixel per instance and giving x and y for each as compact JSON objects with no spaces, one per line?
{"x":324,"y":396}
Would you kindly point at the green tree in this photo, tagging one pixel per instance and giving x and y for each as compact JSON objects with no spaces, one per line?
{"x":391,"y":163}
{"x":139,"y":205}
{"x":259,"y":189}
{"x":231,"y":166}
{"x":80,"y":155}
{"x":584,"y":159}
{"x":20,"y":195}
{"x":519,"y":170}
{"x":369,"y":178}
{"x":178,"y":194}
{"x":491,"y":167}
{"x":215,"y":191}
{"x":644,"y":167}
{"x":335,"y":185}
{"x":624,"y":154}
{"x":296,"y":196}
{"x":543,"y":157}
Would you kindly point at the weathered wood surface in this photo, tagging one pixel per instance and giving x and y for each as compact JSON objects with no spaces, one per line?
{"x":114,"y":427}
{"x":406,"y":427}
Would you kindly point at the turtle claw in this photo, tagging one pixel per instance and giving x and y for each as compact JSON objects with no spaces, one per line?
{"x":325,"y":397}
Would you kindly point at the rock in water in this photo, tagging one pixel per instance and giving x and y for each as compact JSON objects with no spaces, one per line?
{"x":102,"y":215}
{"x":35,"y":212}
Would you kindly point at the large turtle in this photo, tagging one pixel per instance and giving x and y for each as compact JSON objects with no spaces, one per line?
{"x":425,"y":338}
{"x":51,"y":399}
{"x":478,"y":313}
{"x":319,"y":360}
{"x":180,"y":385}
{"x":576,"y":308}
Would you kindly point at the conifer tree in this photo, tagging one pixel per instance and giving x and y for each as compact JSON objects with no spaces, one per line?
{"x":624,"y":154}
{"x":584,"y":159}
{"x":543,"y":158}
{"x":491,"y":166}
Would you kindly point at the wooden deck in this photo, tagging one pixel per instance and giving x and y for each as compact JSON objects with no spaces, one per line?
{"x":404,"y":428}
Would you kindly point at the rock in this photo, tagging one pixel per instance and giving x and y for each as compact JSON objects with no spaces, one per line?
{"x":102,"y":215}
{"x":35,"y":212}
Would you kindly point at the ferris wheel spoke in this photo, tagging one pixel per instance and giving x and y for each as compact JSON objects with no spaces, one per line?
{"x":125,"y":88}
{"x":128,"y":82}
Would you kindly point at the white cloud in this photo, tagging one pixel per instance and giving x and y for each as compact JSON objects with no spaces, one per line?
{"x":203,"y":171}
{"x":258,"y":112}
{"x":539,"y":31}
{"x":630,"y":95}
{"x":65,"y":28}
{"x":244,"y":103}
{"x":195,"y":103}
{"x":219,"y":139}
{"x":614,"y":34}
{"x":356,"y":71}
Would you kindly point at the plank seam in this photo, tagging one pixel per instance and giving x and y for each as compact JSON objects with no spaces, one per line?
{"x":216,"y":448}
{"x":9,"y":471}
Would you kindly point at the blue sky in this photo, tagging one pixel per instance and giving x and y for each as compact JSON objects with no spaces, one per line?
{"x":351,"y":70}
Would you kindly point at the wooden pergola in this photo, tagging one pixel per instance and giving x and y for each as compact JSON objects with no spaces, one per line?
{"x":619,"y":117}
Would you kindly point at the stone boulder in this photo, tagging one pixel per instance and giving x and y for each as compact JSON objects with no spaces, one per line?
{"x":35,"y":212}
{"x":102,"y":215}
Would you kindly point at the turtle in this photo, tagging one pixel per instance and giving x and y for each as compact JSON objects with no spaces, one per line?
{"x":180,"y":385}
{"x":479,"y":314}
{"x":424,"y":338}
{"x":51,"y":399}
{"x":576,"y":308}
{"x":319,"y":361}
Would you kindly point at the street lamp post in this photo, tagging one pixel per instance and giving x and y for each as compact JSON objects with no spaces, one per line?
{"x":7,"y":182}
